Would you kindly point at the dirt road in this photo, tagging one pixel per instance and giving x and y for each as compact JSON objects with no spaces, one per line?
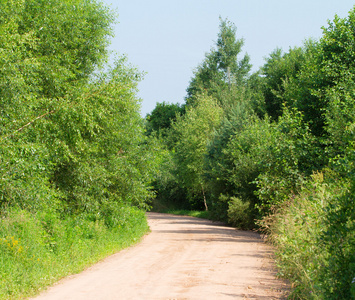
{"x":182,"y":258}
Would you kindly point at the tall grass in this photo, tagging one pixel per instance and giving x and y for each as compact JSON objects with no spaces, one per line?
{"x":35,"y":253}
{"x":305,"y":251}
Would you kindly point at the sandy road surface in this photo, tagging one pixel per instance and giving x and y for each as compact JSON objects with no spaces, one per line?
{"x":182,"y":258}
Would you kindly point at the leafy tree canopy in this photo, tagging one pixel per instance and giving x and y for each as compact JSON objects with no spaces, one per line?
{"x":328,"y":69}
{"x":71,"y":137}
{"x":193,"y":132}
{"x":221,"y":67}
{"x":162,"y":116}
{"x":277,"y":71}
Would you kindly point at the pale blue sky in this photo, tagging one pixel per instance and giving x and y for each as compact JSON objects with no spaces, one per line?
{"x":168,"y":38}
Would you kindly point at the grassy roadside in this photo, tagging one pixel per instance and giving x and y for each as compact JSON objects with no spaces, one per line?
{"x":34,"y":256}
{"x":192,"y":213}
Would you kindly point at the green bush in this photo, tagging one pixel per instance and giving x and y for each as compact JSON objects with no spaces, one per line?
{"x":338,"y":237}
{"x":240,"y":213}
{"x":293,"y":154}
{"x":315,"y":244}
{"x":265,"y":162}
{"x":294,"y":230}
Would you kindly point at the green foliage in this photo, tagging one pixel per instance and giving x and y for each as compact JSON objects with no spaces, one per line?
{"x":319,"y":216}
{"x":240,"y":213}
{"x":294,"y":154}
{"x":37,"y":251}
{"x":228,"y":48}
{"x":207,"y":78}
{"x":340,"y":121}
{"x":221,"y":76}
{"x":193,"y":132}
{"x":328,"y":70}
{"x":278,"y":70}
{"x":307,"y":231}
{"x":282,"y":153}
{"x":236,"y":120}
{"x":74,"y":158}
{"x":169,"y":194}
{"x":295,"y":231}
{"x":71,"y":137}
{"x":162,"y":117}
{"x":259,"y":162}
{"x":255,"y":86}
{"x":338,"y":236}
{"x":192,"y":213}
{"x":221,"y":68}
{"x":241,"y":165}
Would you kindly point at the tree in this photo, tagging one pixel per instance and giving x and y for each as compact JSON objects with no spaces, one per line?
{"x":193,"y":132}
{"x":72,"y":139}
{"x":49,"y":50}
{"x":228,"y":49}
{"x":221,"y":67}
{"x":235,"y":120}
{"x":162,"y":117}
{"x":277,"y":71}
{"x":328,"y":70}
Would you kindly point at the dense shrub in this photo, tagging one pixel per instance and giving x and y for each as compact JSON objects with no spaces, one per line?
{"x":307,"y":231}
{"x":295,"y":231}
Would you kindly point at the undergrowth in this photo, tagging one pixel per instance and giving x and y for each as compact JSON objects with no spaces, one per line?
{"x":34,"y":255}
{"x":313,"y":250}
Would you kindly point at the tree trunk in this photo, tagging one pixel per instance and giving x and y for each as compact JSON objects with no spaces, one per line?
{"x":204,"y":198}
